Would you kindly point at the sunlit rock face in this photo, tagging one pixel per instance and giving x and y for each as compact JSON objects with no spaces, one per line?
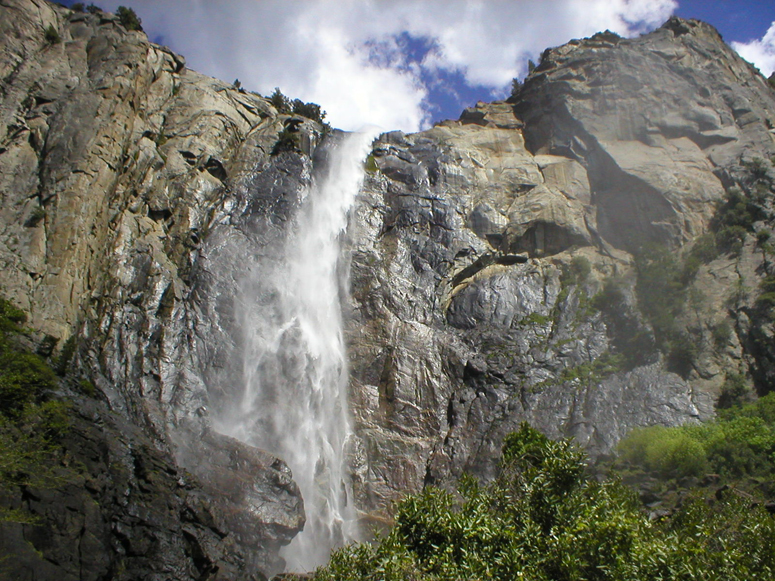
{"x":141,"y":201}
{"x":611,"y":148}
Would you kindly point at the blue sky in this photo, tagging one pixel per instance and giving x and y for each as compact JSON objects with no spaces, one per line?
{"x":404,"y":64}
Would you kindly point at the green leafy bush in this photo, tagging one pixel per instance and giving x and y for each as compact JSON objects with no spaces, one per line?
{"x":308,"y":110}
{"x":740,"y":443}
{"x":544,"y":520}
{"x":287,"y":140}
{"x":734,"y":392}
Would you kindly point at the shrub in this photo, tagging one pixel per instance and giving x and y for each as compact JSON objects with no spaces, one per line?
{"x":287,"y":140}
{"x":740,"y":443}
{"x":11,"y":317}
{"x":92,"y":9}
{"x":78,"y":7}
{"x":66,"y":355}
{"x":128,"y":18}
{"x":668,"y":452}
{"x":24,"y":379}
{"x":31,"y":421}
{"x":734,"y":391}
{"x":682,"y":351}
{"x":52,"y":35}
{"x":544,"y":519}
{"x":370,"y":165}
{"x":722,"y":334}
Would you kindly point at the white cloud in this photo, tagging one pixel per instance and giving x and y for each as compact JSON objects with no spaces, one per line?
{"x":318,"y":50}
{"x":760,"y":52}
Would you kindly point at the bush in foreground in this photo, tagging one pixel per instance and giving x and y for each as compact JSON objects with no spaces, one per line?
{"x":543,"y":520}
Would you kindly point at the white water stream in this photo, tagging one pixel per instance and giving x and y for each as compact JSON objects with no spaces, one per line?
{"x":295,"y":377}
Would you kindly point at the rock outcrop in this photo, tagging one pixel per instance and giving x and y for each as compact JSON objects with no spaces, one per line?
{"x":493,"y":275}
{"x":613,"y":148}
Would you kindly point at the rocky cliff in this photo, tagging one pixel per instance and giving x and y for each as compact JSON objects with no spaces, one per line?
{"x":613,"y":153}
{"x":503,"y":269}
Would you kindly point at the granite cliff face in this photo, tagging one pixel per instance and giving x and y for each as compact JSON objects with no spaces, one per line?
{"x":136,"y":193}
{"x":114,"y":164}
{"x":612,"y":149}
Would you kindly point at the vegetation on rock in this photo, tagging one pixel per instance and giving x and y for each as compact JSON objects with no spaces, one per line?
{"x":128,"y":18}
{"x":543,"y":519}
{"x":52,"y":35}
{"x":739,"y":445}
{"x":31,"y":419}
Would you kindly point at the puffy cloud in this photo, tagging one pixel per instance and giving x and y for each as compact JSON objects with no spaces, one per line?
{"x":346,"y":55}
{"x":760,"y":52}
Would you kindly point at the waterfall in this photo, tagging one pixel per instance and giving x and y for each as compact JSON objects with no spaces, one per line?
{"x":294,"y":401}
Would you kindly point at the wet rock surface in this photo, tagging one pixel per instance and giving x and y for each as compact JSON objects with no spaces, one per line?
{"x":115,"y":163}
{"x":121,"y":509}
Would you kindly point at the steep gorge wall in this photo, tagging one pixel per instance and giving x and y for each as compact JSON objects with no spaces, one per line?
{"x":137,"y":194}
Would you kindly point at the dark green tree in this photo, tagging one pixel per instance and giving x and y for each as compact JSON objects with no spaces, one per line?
{"x":128,"y":18}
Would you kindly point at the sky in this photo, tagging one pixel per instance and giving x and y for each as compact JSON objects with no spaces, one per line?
{"x":405,"y":64}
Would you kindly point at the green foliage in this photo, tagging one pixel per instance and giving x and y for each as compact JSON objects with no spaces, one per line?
{"x":536,"y":319}
{"x":308,"y":110}
{"x":611,"y":297}
{"x":52,"y":35}
{"x":544,"y":520}
{"x":765,"y":301}
{"x":516,"y":87}
{"x":11,"y":318}
{"x":734,"y":392}
{"x":280,"y":102}
{"x":24,"y":379}
{"x":577,"y":272}
{"x":78,"y":7}
{"x":668,"y":452}
{"x":595,"y":370}
{"x":740,"y":443}
{"x":128,"y":18}
{"x":31,"y":421}
{"x":287,"y":140}
{"x":370,"y":165}
{"x":66,"y":355}
{"x":92,"y":9}
{"x":661,"y":290}
{"x":87,"y":388}
{"x":735,"y":216}
{"x":722,"y":334}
